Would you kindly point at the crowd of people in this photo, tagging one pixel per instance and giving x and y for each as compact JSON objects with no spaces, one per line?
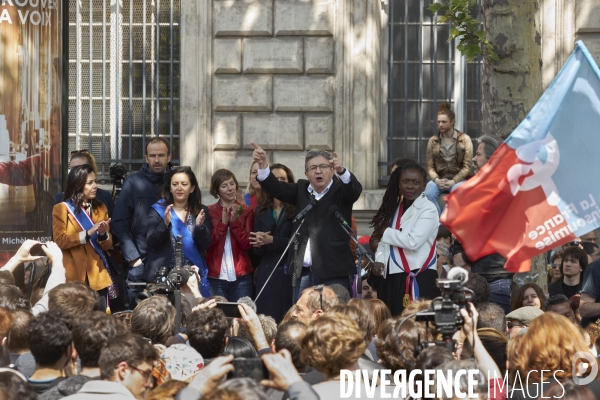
{"x":99,"y":316}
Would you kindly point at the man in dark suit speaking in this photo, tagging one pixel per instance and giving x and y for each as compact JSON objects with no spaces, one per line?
{"x":323,"y":254}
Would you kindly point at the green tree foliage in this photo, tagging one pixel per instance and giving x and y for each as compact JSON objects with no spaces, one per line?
{"x":472,"y":41}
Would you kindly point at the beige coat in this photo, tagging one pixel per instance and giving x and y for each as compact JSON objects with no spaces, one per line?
{"x":79,"y":258}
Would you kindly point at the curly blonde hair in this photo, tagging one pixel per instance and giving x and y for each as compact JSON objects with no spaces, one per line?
{"x":549,"y":344}
{"x":332,"y":342}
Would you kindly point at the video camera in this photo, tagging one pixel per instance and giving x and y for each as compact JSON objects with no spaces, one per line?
{"x":167,"y":282}
{"x":117,"y":172}
{"x":444,"y":311}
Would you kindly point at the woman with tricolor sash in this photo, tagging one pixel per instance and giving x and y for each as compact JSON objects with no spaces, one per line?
{"x":80,"y":226}
{"x":179,"y":212}
{"x":406,"y":254}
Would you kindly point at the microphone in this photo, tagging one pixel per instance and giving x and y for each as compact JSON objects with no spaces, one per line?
{"x":336,"y":211}
{"x":305,"y":212}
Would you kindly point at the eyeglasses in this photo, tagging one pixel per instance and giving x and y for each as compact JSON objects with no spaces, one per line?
{"x":511,"y":325}
{"x":573,"y":243}
{"x":84,"y":151}
{"x":555,"y":265}
{"x":145,"y":374}
{"x":319,"y":288}
{"x":322,"y":167}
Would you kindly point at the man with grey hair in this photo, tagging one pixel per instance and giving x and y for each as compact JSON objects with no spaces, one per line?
{"x":322,"y":253}
{"x":487,"y":145}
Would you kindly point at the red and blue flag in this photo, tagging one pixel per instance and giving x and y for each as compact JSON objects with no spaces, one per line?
{"x":541,"y":188}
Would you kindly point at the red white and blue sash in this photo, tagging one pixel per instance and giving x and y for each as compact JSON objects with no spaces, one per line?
{"x":399,"y":258}
{"x":85,"y":222}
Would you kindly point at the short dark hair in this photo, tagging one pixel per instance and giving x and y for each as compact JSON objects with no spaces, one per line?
{"x":491,"y":315}
{"x":556,"y":299}
{"x":432,"y":357}
{"x":6,"y":278}
{"x":443,"y":233}
{"x":239,"y":347}
{"x":130,"y":348}
{"x":12,"y":298}
{"x":341,"y":292}
{"x":158,"y":139}
{"x":71,"y":299}
{"x":16,"y":387}
{"x":154,"y":318}
{"x":17,"y":339}
{"x":49,"y":337}
{"x":206,"y":331}
{"x":220,"y":176}
{"x":578,"y":254}
{"x":91,"y":333}
{"x":480,"y":287}
{"x":289,"y":336}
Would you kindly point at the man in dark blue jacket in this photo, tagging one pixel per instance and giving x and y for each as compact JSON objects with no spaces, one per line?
{"x":139,"y":192}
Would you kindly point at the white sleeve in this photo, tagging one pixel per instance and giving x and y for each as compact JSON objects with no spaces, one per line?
{"x":345,"y":177}
{"x":263,"y":174}
{"x":57,"y":276}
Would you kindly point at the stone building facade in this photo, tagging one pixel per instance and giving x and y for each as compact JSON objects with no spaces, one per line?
{"x":293,"y":75}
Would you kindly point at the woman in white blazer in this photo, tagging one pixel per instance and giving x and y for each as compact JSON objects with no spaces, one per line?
{"x":406,"y":254}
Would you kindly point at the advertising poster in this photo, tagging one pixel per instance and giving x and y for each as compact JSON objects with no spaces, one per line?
{"x":30,"y":131}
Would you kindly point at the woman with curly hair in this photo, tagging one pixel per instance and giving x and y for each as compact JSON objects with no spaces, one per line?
{"x":332,"y":343}
{"x":550,"y":343}
{"x":529,"y":294}
{"x":410,"y":335}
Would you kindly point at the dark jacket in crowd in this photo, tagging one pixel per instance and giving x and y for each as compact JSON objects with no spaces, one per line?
{"x":160,"y":247}
{"x":330,"y":246}
{"x":280,"y":284}
{"x":130,"y":219}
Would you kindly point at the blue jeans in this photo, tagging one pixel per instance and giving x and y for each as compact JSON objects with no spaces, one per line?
{"x":232,"y":291}
{"x":500,"y":293}
{"x":433,"y":191}
{"x":308,"y":280}
{"x":134,"y":276}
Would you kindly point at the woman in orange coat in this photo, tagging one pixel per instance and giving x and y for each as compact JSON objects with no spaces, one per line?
{"x":80,"y":228}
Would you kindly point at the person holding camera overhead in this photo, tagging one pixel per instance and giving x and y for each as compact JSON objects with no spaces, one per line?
{"x":80,"y":226}
{"x":179,"y":212}
{"x":406,"y":253}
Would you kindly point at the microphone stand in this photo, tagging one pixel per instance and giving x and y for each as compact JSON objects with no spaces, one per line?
{"x":293,"y":239}
{"x":361,"y":252}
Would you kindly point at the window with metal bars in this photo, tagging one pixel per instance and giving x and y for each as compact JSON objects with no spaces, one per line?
{"x":124,"y":78}
{"x":424,"y":71}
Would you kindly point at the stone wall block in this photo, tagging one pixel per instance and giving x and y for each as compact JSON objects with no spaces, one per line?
{"x":243,"y":17}
{"x":303,"y":94}
{"x":237,"y":162}
{"x":278,"y":56}
{"x":227,"y":56}
{"x":294,"y":160}
{"x":243,"y":94}
{"x":227,"y":129}
{"x":273,"y":132}
{"x":319,"y":53}
{"x":318,"y":131}
{"x":304,"y":17}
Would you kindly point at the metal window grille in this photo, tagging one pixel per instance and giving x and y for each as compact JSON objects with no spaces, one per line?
{"x":124,"y":78}
{"x":425,"y":70}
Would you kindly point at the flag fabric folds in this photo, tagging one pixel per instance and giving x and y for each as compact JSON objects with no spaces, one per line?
{"x":540,"y":189}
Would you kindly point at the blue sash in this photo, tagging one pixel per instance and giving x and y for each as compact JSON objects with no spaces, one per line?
{"x":85,"y":223}
{"x":179,"y":228}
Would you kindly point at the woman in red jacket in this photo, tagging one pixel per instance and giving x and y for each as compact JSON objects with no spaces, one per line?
{"x":229,"y":267}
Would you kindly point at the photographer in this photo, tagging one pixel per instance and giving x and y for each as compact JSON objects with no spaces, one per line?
{"x":55,"y":257}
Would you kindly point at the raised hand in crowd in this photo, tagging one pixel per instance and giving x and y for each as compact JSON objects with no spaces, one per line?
{"x":250,"y":317}
{"x":200,"y":218}
{"x":168,"y":214}
{"x":260,"y":156}
{"x":486,"y":362}
{"x":192,"y":285}
{"x":209,"y":377}
{"x":53,"y":252}
{"x":99,"y":227}
{"x":212,"y":303}
{"x":283,"y":372}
